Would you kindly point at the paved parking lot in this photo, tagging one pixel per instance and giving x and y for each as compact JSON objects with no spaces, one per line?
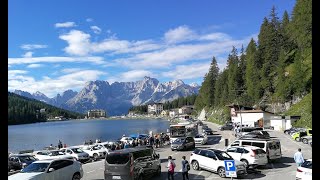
{"x":283,"y":169}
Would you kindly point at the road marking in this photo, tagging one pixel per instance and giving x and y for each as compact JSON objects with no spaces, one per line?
{"x":91,"y":171}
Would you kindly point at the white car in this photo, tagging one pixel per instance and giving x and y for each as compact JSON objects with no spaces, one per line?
{"x":96,"y":152}
{"x":62,"y":169}
{"x":127,"y":140}
{"x":213,"y":160}
{"x":77,"y":153}
{"x":201,"y":139}
{"x":54,"y":154}
{"x":304,"y":172}
{"x":249,"y":155}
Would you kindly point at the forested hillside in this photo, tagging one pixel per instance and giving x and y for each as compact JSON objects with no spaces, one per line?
{"x":22,"y":110}
{"x":275,"y":69}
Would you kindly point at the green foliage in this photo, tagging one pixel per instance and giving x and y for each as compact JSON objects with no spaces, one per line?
{"x":275,"y":69}
{"x":143,"y":109}
{"x":303,"y":109}
{"x":22,"y":110}
{"x":219,"y":115}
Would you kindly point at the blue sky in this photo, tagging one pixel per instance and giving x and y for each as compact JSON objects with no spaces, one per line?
{"x":58,"y":45}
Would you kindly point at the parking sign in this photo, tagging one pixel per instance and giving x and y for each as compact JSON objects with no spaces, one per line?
{"x":230,"y":168}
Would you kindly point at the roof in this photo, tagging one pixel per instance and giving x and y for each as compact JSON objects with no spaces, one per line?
{"x":248,"y":147}
{"x":129,"y":150}
{"x":254,"y":111}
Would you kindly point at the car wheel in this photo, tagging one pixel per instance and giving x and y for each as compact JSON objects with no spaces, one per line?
{"x":159,"y":171}
{"x":297,"y":139}
{"x":222,"y":172}
{"x":95,"y":156}
{"x":246,"y":164}
{"x":76,"y":176}
{"x":305,"y":141}
{"x":195,"y":165}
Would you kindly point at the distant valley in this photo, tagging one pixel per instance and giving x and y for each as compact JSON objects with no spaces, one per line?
{"x":118,"y":97}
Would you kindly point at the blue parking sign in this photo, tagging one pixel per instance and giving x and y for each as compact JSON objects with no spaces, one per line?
{"x":230,"y":168}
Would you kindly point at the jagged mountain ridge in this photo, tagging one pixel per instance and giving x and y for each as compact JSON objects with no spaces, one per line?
{"x":118,"y":97}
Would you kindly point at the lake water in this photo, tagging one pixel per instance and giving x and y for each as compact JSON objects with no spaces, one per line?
{"x":74,"y":132}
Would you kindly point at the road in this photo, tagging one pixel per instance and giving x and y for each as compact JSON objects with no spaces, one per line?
{"x":285,"y":168}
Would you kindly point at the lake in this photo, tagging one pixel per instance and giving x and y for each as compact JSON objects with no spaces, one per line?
{"x":74,"y":132}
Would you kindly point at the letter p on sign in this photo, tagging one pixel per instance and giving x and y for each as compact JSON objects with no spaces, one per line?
{"x":229,"y":165}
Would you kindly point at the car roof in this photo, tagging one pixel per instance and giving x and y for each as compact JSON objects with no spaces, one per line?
{"x":256,"y":139}
{"x":246,"y":147}
{"x":129,"y":150}
{"x":215,"y":150}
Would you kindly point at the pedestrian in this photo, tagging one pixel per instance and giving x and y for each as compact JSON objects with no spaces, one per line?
{"x":185,"y":168}
{"x":60,"y":144}
{"x":171,"y":166}
{"x":64,"y":145}
{"x":298,"y":157}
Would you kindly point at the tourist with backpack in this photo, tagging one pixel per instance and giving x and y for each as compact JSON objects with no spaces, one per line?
{"x":171,"y":166}
{"x":185,"y":168}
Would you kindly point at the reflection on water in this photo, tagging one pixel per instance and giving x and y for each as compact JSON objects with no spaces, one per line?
{"x":74,"y":132}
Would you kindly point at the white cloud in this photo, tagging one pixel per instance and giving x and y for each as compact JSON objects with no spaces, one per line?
{"x":89,"y":19}
{"x":49,"y":86}
{"x":78,"y":42}
{"x":215,"y":37}
{"x":96,"y":29}
{"x":71,"y":70}
{"x":188,"y":71}
{"x":65,"y":25}
{"x":179,"y":34}
{"x":32,"y":60}
{"x":27,"y":54}
{"x":131,"y":76}
{"x":33,"y":46}
{"x":35,"y":65}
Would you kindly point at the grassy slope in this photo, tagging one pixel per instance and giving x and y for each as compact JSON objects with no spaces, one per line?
{"x":303,"y":109}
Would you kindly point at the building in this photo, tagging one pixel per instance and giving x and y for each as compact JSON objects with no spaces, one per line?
{"x":186,"y":110}
{"x":281,"y":123}
{"x":165,"y":113}
{"x":155,"y":108}
{"x":173,"y":113}
{"x":96,"y":113}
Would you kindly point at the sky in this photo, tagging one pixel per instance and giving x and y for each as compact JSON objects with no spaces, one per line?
{"x":58,"y":45}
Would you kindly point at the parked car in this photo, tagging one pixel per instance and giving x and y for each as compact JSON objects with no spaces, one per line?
{"x":271,"y":146}
{"x":62,"y":169}
{"x":201,"y":139}
{"x":127,"y":140}
{"x":304,"y":172}
{"x":20,"y":161}
{"x":213,"y":160}
{"x":292,"y":129}
{"x":53,"y":154}
{"x":298,"y":135}
{"x":227,"y":126}
{"x":249,"y":155}
{"x":245,"y":130}
{"x":208,"y":132}
{"x":306,"y":139}
{"x":132,"y":163}
{"x":95,"y":152}
{"x":77,"y":153}
{"x":257,"y":134}
{"x":183,"y":143}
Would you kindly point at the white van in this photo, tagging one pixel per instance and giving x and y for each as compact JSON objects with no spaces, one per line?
{"x":271,"y":146}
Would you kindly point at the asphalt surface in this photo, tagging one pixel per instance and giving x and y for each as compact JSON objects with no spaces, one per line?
{"x":284,"y":168}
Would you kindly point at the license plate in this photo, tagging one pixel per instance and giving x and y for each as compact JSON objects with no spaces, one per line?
{"x":116,"y":177}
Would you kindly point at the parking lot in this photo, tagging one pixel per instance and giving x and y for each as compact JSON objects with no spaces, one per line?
{"x":284,"y":168}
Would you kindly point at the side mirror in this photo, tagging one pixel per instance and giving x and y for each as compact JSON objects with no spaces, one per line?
{"x":51,"y":169}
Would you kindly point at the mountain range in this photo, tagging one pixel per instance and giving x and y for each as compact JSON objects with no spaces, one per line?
{"x":118,"y":97}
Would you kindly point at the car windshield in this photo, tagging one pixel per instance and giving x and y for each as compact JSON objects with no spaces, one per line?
{"x":35,"y":167}
{"x":27,"y":158}
{"x":179,"y":140}
{"x":77,"y":150}
{"x":223,"y":156}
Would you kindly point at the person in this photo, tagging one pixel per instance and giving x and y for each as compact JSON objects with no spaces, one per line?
{"x":298,"y":157}
{"x":185,"y":168}
{"x":90,"y":142}
{"x":50,"y":146}
{"x":60,"y":144}
{"x":171,"y":166}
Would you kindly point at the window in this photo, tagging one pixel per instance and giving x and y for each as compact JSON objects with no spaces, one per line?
{"x":203,"y":153}
{"x":236,"y":143}
{"x":307,"y":164}
{"x":258,"y":144}
{"x":117,"y":158}
{"x":231,"y":149}
{"x":142,"y":154}
{"x":56,"y":165}
{"x":246,"y":143}
{"x":239,"y":150}
{"x":260,"y":151}
{"x":196,"y":151}
{"x":36,"y":167}
{"x":210,"y":154}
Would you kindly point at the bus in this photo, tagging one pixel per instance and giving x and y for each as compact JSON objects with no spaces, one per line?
{"x":176,"y":131}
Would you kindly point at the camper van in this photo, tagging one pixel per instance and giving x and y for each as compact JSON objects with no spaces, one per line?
{"x":271,"y":146}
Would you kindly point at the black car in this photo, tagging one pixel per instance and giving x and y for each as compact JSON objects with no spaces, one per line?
{"x":132,"y":163}
{"x":289,"y":131}
{"x":20,"y":161}
{"x":208,"y":132}
{"x":226,"y":127}
{"x":183,"y":144}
